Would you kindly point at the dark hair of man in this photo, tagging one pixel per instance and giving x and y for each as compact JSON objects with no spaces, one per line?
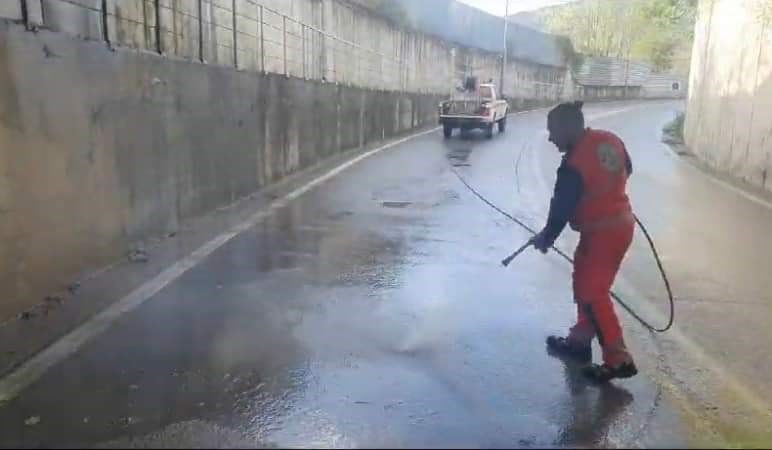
{"x":568,"y":113}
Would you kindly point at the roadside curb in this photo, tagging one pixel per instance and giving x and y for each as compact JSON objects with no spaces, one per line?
{"x":682,"y":153}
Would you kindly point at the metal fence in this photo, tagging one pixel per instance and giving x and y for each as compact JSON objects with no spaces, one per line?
{"x":248,"y":35}
{"x":241,"y":33}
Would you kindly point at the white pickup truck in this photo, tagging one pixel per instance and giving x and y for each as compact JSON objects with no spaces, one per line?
{"x":474,"y":109}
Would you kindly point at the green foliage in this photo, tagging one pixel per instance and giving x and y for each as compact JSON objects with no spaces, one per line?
{"x":763,"y":10}
{"x":649,"y":30}
{"x":572,"y":57}
{"x":673,"y":132}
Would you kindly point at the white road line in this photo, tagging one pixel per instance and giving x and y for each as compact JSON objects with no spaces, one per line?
{"x":31,"y":370}
{"x":34,"y":368}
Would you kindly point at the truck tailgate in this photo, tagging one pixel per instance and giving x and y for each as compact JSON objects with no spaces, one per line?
{"x":464,"y":107}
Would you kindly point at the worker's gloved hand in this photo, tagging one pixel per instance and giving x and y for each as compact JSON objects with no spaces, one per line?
{"x":540,"y":242}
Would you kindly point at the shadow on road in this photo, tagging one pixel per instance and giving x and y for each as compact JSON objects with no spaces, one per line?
{"x":591,"y":409}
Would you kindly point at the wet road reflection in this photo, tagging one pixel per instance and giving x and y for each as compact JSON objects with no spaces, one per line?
{"x":370,"y":312}
{"x":593,"y":409}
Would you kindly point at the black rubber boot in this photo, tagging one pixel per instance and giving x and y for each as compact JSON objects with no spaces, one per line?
{"x":560,"y":346}
{"x":604,"y":373}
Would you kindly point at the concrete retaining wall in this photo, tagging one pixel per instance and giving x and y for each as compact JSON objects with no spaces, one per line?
{"x":729,"y":113}
{"x":101,"y":148}
{"x":333,"y":40}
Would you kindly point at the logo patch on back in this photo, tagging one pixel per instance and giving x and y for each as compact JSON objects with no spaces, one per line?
{"x":609,"y":158}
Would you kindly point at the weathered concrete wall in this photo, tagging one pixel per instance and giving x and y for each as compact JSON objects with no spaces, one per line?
{"x":524,"y":82}
{"x":101,"y":148}
{"x":729,"y":113}
{"x":465,"y":25}
{"x":333,"y":40}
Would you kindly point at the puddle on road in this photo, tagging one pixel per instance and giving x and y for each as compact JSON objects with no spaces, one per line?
{"x":458,"y":157}
{"x":459,"y":154}
{"x":396,"y":204}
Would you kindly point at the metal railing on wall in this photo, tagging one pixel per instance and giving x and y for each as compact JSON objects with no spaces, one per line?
{"x":241,"y":33}
{"x":244,"y":34}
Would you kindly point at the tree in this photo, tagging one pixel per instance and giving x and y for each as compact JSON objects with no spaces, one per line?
{"x":763,"y":10}
{"x":597,"y":27}
{"x":649,"y":30}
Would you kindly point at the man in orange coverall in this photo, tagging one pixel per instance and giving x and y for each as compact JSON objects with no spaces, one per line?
{"x":590,"y":195}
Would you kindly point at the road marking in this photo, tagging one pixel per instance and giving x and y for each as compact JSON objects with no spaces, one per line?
{"x":699,"y":354}
{"x":34,"y":368}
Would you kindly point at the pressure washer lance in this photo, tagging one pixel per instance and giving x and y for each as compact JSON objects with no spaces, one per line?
{"x":509,"y":259}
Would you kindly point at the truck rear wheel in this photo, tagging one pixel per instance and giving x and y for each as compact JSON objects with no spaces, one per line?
{"x":447,"y":131}
{"x":503,"y":125}
{"x":489,"y":131}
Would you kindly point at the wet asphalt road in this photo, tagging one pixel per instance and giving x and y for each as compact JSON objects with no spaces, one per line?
{"x":373,"y":312}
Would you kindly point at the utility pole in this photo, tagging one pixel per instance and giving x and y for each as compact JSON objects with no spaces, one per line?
{"x":506,"y":49}
{"x":627,"y":70}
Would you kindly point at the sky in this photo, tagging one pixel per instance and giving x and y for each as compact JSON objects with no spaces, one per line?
{"x":498,"y":7}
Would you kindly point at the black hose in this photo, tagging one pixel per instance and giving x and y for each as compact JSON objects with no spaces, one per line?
{"x":616,"y":297}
